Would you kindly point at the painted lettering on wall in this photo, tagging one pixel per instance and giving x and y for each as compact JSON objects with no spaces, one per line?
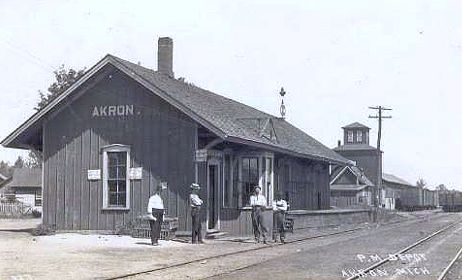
{"x":112,"y":110}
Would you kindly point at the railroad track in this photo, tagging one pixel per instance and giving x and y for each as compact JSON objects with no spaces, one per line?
{"x":450,"y":265}
{"x":233,"y":253}
{"x":376,"y":265}
{"x":269,"y":246}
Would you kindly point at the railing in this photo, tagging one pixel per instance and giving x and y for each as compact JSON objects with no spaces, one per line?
{"x":13,"y":208}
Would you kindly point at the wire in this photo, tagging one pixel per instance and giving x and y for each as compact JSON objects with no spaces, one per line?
{"x":26,"y":54}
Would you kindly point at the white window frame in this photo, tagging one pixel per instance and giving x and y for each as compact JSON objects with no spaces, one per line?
{"x":359,"y":136}
{"x":268,"y":189}
{"x":263,"y":177}
{"x":350,"y":136}
{"x":115,"y":148}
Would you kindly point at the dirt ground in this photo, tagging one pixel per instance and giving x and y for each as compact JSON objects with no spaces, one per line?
{"x":85,"y":256}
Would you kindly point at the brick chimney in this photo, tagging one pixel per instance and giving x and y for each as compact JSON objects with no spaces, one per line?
{"x":165,"y":56}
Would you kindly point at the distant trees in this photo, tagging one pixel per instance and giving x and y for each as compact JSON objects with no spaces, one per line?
{"x":441,"y":188}
{"x":421,"y":183}
{"x":19,"y":163}
{"x":6,"y":169}
{"x":64,"y":79}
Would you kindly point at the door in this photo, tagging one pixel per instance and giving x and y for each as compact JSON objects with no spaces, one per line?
{"x":213,"y":181}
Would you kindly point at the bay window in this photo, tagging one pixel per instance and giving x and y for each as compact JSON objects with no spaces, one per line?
{"x":255,"y":170}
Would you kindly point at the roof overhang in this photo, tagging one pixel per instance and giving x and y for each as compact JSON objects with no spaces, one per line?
{"x":342,"y":188}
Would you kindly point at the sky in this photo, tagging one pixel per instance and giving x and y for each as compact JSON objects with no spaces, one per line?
{"x":333,"y":58}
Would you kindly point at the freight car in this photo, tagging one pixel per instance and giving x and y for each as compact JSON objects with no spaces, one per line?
{"x":451,"y":201}
{"x":412,"y":198}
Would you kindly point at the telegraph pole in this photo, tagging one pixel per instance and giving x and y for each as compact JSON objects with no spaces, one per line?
{"x":379,"y":116}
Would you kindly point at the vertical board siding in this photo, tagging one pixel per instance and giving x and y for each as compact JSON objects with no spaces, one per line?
{"x":85,"y":185}
{"x":161,"y":141}
{"x":76,"y":207}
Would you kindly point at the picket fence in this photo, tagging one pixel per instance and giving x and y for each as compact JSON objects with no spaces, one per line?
{"x":13,"y":208}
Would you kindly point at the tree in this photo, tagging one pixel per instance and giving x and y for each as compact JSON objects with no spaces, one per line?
{"x":34,"y":160}
{"x":421,"y":183}
{"x":441,"y":188}
{"x":6,"y":169}
{"x":19,"y":163}
{"x":64,"y":79}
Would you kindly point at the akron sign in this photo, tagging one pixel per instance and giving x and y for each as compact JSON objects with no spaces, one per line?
{"x":112,"y":110}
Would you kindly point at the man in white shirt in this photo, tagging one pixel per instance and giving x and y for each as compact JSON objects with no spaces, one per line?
{"x":156,"y":211}
{"x":258,"y":203}
{"x":195,"y":203}
{"x":279,"y":212}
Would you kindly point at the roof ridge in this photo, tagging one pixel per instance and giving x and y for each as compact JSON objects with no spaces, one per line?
{"x":190,"y":84}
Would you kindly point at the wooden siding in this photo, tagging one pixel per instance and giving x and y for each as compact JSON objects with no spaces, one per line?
{"x":162,"y":142}
{"x":305,"y":183}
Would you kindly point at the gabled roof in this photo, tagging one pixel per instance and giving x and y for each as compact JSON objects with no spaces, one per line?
{"x":225,"y":117}
{"x":356,"y":125}
{"x":25,"y":177}
{"x":394,"y":179}
{"x":357,"y":172}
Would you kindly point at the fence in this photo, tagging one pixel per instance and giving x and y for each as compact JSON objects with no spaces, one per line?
{"x":13,"y":209}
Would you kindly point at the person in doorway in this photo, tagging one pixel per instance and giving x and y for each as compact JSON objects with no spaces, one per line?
{"x":258,"y":203}
{"x":156,"y":215}
{"x":279,"y":213}
{"x":196,"y":203}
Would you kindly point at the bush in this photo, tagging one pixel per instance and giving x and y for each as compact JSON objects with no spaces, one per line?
{"x":36,"y":213}
{"x":43,"y":230}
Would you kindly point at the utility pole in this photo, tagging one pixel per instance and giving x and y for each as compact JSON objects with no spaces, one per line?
{"x":378,"y":189}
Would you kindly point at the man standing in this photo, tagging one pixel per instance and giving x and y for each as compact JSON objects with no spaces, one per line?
{"x":258,"y":203}
{"x":156,"y":211}
{"x":196,"y":203}
{"x":279,"y":212}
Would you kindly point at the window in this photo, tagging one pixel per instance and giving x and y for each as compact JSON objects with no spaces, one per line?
{"x":255,"y":170}
{"x":250,"y":178}
{"x":116,"y":184}
{"x":350,"y":136}
{"x":359,"y":136}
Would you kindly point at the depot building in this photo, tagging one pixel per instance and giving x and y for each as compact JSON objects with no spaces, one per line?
{"x":110,"y":139}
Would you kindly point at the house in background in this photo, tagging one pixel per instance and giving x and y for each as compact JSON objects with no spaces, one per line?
{"x":349,"y":187}
{"x":25,"y":185}
{"x":121,"y":129}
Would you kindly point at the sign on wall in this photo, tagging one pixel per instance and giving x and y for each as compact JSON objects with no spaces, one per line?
{"x":94,"y":174}
{"x":112,"y":110}
{"x":135,"y":173}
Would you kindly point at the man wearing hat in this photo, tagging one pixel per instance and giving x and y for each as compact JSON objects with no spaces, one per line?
{"x":156,"y":214}
{"x":258,"y":203}
{"x":196,"y":203}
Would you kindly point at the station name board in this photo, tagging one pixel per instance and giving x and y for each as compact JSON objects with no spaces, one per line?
{"x":112,"y":110}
